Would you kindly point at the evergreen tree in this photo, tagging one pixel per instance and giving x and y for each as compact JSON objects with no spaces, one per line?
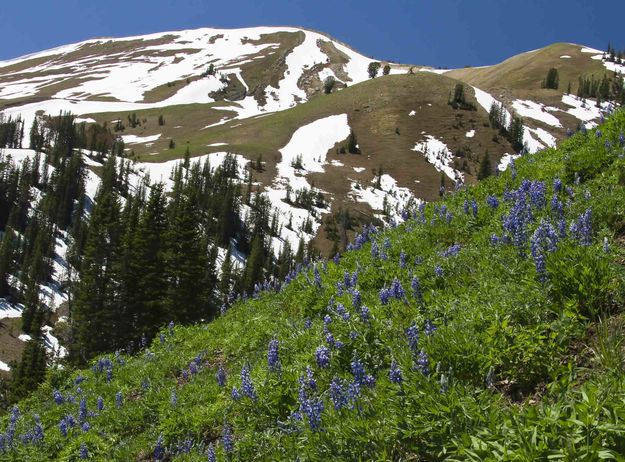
{"x":552,"y":80}
{"x":373,"y":69}
{"x":485,"y":167}
{"x":386,"y":70}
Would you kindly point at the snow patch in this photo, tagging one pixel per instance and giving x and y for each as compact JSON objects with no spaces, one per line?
{"x":470,"y":134}
{"x":412,"y":113}
{"x":437,"y":153}
{"x":506,"y":160}
{"x":565,"y":56}
{"x":389,"y":199}
{"x":359,"y":169}
{"x":536,"y":111}
{"x":4,"y":367}
{"x":134,"y":139}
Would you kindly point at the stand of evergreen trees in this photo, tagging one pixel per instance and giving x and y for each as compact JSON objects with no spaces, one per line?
{"x":139,"y":257}
{"x":512,"y":131}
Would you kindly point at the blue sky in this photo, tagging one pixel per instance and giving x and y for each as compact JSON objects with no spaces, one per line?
{"x":450,"y":33}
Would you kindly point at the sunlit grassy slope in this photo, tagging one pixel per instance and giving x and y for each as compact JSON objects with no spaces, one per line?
{"x":485,"y":328}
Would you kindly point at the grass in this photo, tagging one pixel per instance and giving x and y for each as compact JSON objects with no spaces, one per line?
{"x":505,"y":378}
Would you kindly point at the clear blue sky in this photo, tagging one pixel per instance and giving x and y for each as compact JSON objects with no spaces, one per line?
{"x":450,"y":33}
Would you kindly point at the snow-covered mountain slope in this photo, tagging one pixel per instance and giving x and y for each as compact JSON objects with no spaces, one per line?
{"x":264,"y":68}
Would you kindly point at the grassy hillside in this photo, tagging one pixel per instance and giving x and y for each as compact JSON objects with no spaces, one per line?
{"x":485,"y":328}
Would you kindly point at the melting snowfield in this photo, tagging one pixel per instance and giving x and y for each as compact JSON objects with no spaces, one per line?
{"x":438,"y":154}
{"x":307,"y":149}
{"x":393,"y":198}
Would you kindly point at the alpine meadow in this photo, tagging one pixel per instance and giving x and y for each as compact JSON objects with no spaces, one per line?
{"x":259,"y":244}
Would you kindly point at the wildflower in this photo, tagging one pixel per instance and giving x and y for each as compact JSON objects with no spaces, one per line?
{"x":327,"y":320}
{"x":395,"y":374}
{"x":220,"y":375}
{"x":429,"y":327}
{"x":99,"y":403}
{"x":63,"y":427}
{"x":317,"y":277}
{"x":452,"y":251}
{"x":338,"y":393}
{"x":606,"y":245}
{"x":273,"y":360}
{"x":307,"y":323}
{"x":235,"y":394}
{"x":438,"y":270}
{"x":415,"y":285}
{"x":492,"y":202}
{"x":412,"y":333}
{"x":82,"y":410}
{"x":544,"y":239}
{"x":227,"y":439}
{"x":173,"y":399}
{"x":397,"y":289}
{"x":210,"y":453}
{"x":58,"y":397}
{"x":38,"y":430}
{"x":423,"y":363}
{"x":402,"y":259}
{"x":598,"y":133}
{"x":557,"y":185}
{"x":159,"y":449}
{"x":323,"y":357}
{"x":581,"y":229}
{"x":83,"y":452}
{"x":356,"y":299}
{"x":494,"y":239}
{"x":118,"y":399}
{"x":171,"y":328}
{"x":247,"y":387}
{"x":85,"y":427}
{"x":385,"y":295}
{"x":365,"y":314}
{"x":444,"y":382}
{"x":474,"y":207}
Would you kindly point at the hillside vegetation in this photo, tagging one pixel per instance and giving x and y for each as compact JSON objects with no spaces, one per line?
{"x":485,"y":327}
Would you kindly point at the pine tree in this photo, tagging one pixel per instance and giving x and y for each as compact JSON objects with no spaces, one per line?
{"x":386,"y":70}
{"x":352,"y":143}
{"x":485,"y":167}
{"x":373,"y":69}
{"x":31,"y":370}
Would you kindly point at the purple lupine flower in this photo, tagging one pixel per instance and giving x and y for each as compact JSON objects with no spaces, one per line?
{"x":356,"y":299}
{"x":608,"y":144}
{"x":429,"y":328}
{"x":385,"y":295}
{"x":412,"y":333}
{"x":544,"y":239}
{"x":70,"y":420}
{"x":83,"y":452}
{"x":327,"y":320}
{"x":365,"y":314}
{"x":415,"y":285}
{"x":557,"y":185}
{"x":99,"y":403}
{"x":119,"y":400}
{"x":338,"y":393}
{"x":82,"y":410}
{"x":598,"y":133}
{"x":247,"y":387}
{"x":402,"y":259}
{"x":85,"y":427}
{"x":235,"y":394}
{"x":307,"y":323}
{"x":220,"y":375}
{"x":358,"y":371}
{"x":227,"y":439}
{"x":323,"y":357}
{"x":210,"y":454}
{"x":495,"y":240}
{"x":452,"y":251}
{"x":193,"y":368}
{"x":537,"y":194}
{"x":173,"y":398}
{"x":606,"y":245}
{"x":58,"y":397}
{"x":474,"y":207}
{"x":423,"y":363}
{"x":394,"y":373}
{"x":438,"y":270}
{"x":159,"y":449}
{"x":336,"y":259}
{"x":317,"y":277}
{"x":397,"y":290}
{"x":38,"y":430}
{"x":621,"y":139}
{"x":109,"y":375}
{"x":63,"y":427}
{"x":492,"y":202}
{"x":171,"y":328}
{"x":273,"y":359}
{"x":465,"y":207}
{"x":581,"y":229}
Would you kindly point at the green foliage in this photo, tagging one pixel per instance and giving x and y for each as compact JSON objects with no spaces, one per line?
{"x":510,"y":377}
{"x":552,"y":80}
{"x":373,"y":68}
